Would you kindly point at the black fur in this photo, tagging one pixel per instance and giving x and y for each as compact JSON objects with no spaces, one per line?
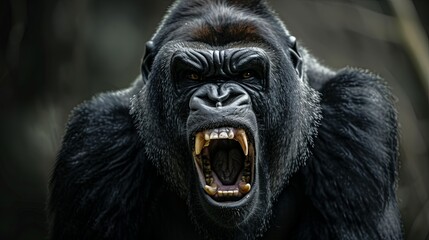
{"x":326,"y":143}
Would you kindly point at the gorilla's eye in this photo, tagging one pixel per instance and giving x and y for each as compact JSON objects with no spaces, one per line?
{"x":247,"y":75}
{"x":193,"y":76}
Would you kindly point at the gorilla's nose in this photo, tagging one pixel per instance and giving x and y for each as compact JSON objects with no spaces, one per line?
{"x":224,"y":98}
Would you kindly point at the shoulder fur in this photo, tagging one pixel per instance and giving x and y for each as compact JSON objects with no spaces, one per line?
{"x":98,"y":175}
{"x":351,"y":176}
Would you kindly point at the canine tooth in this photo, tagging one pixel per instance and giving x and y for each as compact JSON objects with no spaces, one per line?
{"x":214,"y":135}
{"x":242,"y":139}
{"x":223,"y":135}
{"x":210,"y":190}
{"x":244,"y":187}
{"x":199,"y":143}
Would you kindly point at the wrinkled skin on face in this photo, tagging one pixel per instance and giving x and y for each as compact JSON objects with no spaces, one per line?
{"x":233,"y":131}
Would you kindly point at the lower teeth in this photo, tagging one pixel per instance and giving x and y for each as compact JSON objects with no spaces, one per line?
{"x":244,"y":187}
{"x":212,"y":190}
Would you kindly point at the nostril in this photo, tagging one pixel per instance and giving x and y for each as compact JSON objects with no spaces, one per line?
{"x":237,"y":100}
{"x":199,"y":103}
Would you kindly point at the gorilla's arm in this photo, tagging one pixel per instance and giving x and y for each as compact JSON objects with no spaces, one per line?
{"x":350,"y":179}
{"x":98,"y":177}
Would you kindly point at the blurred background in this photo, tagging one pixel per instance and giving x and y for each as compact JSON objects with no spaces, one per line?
{"x":55,"y":54}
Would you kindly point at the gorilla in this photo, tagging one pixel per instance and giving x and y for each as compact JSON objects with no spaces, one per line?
{"x":232,"y":131}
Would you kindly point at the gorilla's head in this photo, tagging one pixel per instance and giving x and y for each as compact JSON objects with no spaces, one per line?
{"x":226,"y":113}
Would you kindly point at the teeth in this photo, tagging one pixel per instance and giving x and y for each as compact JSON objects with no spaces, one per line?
{"x":228,"y":193}
{"x":231,"y":135}
{"x":202,"y":139}
{"x":199,"y":143}
{"x":244,"y":187}
{"x":209,"y":180}
{"x":242,"y":139}
{"x":223,"y":135}
{"x":214,"y":135}
{"x":245,"y":178}
{"x":210,"y":190}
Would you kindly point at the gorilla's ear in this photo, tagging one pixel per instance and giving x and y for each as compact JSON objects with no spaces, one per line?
{"x":295,"y":56}
{"x":147,"y":61}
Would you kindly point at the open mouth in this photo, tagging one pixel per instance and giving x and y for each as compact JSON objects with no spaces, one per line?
{"x":224,"y":158}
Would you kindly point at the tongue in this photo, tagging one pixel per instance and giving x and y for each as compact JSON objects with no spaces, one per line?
{"x":227,"y":163}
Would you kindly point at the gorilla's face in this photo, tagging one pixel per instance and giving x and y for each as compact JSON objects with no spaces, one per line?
{"x":221,"y":125}
{"x":218,"y":120}
{"x":222,"y":128}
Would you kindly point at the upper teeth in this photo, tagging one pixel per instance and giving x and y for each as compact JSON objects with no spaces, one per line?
{"x":202,"y":139}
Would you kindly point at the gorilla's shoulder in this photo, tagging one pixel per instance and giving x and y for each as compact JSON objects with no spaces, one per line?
{"x":357,"y":105}
{"x":358,"y":89}
{"x":96,"y":168}
{"x":99,"y":131}
{"x":356,"y":146}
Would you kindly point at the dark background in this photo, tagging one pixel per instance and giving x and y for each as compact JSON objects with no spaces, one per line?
{"x":55,"y":54}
